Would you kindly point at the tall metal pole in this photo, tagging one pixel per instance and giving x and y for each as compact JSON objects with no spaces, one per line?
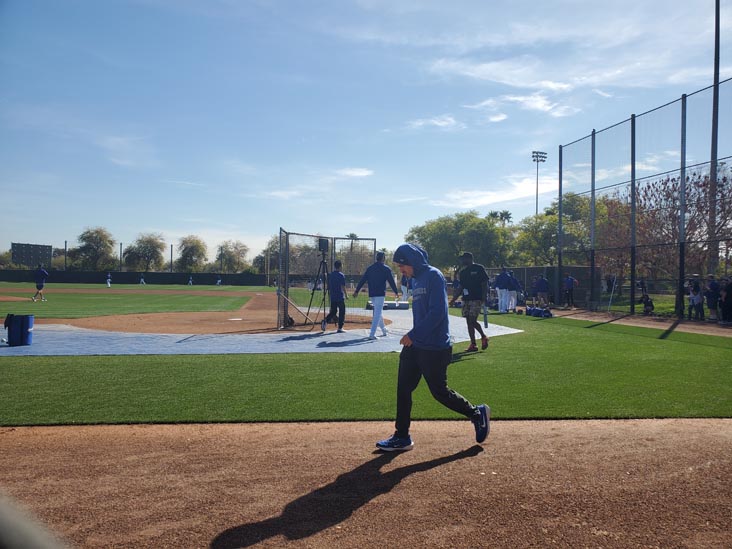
{"x":171,"y":258}
{"x":537,"y":156}
{"x":682,"y":215}
{"x":632,"y":214}
{"x":592,"y":222}
{"x":713,"y":244}
{"x":558,"y":281}
{"x":66,"y":252}
{"x":120,"y":257}
{"x":536,"y":212}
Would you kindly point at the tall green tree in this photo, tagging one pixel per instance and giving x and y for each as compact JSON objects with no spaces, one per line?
{"x":271,"y":254}
{"x":575,"y":227}
{"x":191,"y":254}
{"x":231,"y":256}
{"x":6,"y":260}
{"x":146,"y":253}
{"x":536,"y":241}
{"x":446,"y":237}
{"x":96,"y":249}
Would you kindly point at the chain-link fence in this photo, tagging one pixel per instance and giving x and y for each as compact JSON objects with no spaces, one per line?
{"x":643,"y":207}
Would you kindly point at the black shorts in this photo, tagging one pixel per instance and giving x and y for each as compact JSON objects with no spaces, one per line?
{"x":39,"y":287}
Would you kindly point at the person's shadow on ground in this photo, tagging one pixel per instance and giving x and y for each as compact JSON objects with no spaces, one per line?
{"x":333,"y":503}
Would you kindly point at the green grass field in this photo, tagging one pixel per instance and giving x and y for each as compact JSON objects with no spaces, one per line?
{"x":78,"y":305}
{"x":557,"y":368}
{"x":664,"y":304}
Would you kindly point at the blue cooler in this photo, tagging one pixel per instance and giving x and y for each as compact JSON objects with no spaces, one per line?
{"x":20,"y":329}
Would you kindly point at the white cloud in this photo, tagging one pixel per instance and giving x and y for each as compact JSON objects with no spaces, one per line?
{"x":602,"y":93}
{"x":533,"y":102}
{"x":513,"y":187}
{"x":500,"y":117}
{"x":518,"y":72}
{"x":284,"y":194}
{"x":354,"y":172}
{"x":130,"y":152}
{"x":442,"y":122}
{"x":488,"y":104}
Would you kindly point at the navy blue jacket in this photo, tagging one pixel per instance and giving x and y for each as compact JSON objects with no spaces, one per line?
{"x":502,"y":280}
{"x":41,"y":275}
{"x":431,"y":329}
{"x":377,"y":275}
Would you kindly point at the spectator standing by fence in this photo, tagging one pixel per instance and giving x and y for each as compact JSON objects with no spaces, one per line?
{"x":514,"y":287}
{"x":502,"y":282}
{"x":726,"y":302}
{"x":696,"y":300}
{"x":712,"y":295}
{"x":570,"y":283}
{"x":542,"y":291}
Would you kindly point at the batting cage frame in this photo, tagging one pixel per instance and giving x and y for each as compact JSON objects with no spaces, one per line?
{"x":304,"y":263}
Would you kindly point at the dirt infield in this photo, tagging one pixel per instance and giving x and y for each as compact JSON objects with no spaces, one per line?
{"x":639,"y":483}
{"x":258,"y":315}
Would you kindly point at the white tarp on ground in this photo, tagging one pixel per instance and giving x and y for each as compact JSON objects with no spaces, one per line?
{"x":59,"y":339}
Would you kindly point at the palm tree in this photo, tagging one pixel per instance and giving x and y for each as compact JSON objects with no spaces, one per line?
{"x":505,"y":217}
{"x":352,"y":236}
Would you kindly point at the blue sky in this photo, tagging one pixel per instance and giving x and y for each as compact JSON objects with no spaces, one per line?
{"x":229,"y":119}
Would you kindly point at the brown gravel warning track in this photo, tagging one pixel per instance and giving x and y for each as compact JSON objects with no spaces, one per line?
{"x":638,"y":483}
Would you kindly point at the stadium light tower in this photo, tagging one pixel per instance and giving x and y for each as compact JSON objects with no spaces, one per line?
{"x":537,"y":156}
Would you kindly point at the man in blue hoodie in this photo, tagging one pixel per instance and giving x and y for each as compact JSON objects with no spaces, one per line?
{"x":377,"y":275}
{"x":427,"y":351}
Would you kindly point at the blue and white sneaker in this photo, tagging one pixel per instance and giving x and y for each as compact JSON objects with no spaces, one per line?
{"x":482,"y":422}
{"x":395,"y":444}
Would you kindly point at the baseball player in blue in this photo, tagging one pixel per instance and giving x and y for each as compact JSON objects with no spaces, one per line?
{"x":377,"y":275}
{"x":427,"y":351}
{"x":40,"y":277}
{"x":337,"y":289}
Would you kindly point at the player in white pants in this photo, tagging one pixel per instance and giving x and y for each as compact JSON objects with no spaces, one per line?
{"x":377,"y":276}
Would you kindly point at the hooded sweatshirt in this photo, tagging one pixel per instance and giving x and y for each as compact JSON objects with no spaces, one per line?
{"x":431,"y":329}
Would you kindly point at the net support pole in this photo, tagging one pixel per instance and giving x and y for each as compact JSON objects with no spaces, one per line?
{"x":632,"y":215}
{"x":713,"y":235}
{"x":682,"y":215}
{"x":592,"y":224}
{"x":558,"y":278}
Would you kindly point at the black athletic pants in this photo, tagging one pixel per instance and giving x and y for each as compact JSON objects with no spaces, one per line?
{"x":416,"y":363}
{"x":340,"y":306}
